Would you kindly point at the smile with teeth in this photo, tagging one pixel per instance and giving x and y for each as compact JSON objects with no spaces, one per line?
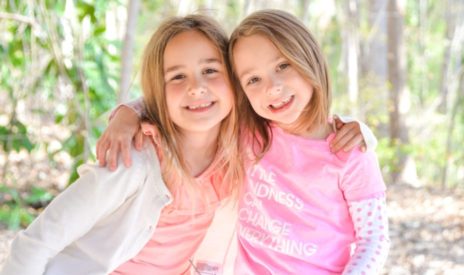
{"x":281,"y":104}
{"x":200,"y":106}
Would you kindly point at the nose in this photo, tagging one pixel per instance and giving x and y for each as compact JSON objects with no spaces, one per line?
{"x":197,"y":88}
{"x":275,"y":87}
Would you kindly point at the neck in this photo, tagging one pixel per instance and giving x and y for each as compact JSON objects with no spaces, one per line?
{"x":199,"y":150}
{"x":316,"y":132}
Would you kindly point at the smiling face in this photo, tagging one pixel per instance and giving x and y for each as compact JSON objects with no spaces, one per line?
{"x":273,"y":86}
{"x":198,"y":91}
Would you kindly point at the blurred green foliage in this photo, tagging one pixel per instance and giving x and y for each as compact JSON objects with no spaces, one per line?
{"x":65,"y":59}
{"x":17,"y":209}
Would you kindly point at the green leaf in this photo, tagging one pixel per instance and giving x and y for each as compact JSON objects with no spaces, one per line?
{"x":74,"y":175}
{"x":38,"y":195}
{"x":14,"y":219}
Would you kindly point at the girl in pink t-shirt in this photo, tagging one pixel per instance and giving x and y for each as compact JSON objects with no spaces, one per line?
{"x":303,"y":209}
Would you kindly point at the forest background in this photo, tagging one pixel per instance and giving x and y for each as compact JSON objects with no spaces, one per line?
{"x":397,"y":65}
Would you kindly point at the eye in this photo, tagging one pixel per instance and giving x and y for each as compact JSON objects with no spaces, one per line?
{"x":253,"y":80}
{"x":177,"y":77}
{"x":210,"y":71}
{"x":283,"y":66}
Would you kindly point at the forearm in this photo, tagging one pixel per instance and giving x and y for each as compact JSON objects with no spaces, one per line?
{"x":136,"y":106}
{"x":372,"y":241}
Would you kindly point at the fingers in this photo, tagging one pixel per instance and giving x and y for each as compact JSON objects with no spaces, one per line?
{"x":107,"y":154}
{"x":341,"y":137}
{"x":348,"y":137}
{"x":102,"y":147}
{"x":138,"y":139}
{"x":352,"y":143}
{"x":338,"y":123}
{"x":340,"y":143}
{"x":112,"y":156}
{"x":363,"y":146}
{"x":125,"y":151}
{"x":347,"y":143}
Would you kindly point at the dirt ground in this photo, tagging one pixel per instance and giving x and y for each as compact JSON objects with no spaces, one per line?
{"x":426,"y":228}
{"x":427,"y":231}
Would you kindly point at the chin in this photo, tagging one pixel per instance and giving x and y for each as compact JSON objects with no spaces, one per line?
{"x":204,"y":127}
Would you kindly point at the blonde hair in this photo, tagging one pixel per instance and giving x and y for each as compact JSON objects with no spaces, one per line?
{"x":296,"y":43}
{"x":229,"y":166}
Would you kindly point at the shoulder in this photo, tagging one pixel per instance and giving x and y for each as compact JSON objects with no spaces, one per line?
{"x":143,"y":162}
{"x":361,"y":176}
{"x":356,"y":157}
{"x":358,"y":162}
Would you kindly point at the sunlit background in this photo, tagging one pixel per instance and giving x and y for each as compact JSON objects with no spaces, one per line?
{"x":397,"y":65}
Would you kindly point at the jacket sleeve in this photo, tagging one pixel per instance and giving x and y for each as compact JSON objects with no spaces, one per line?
{"x":96,"y":194}
{"x":368,"y":135}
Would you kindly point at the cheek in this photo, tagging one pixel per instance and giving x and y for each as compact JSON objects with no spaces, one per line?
{"x":254,"y":101}
{"x":229,"y":99}
{"x":222,"y":88}
{"x":310,"y":92}
{"x":253,"y":96}
{"x":220,"y":83}
{"x":172,"y":99}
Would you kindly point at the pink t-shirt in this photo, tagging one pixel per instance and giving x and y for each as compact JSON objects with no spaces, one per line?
{"x":181,"y":227}
{"x":293,"y":214}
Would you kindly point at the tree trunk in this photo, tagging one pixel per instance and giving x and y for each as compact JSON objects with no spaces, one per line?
{"x":446,"y":66}
{"x":422,"y":58}
{"x":373,"y":60}
{"x":454,"y":82}
{"x":449,"y":136}
{"x":304,"y":6}
{"x":374,"y":48}
{"x":352,"y":52}
{"x":127,"y":51}
{"x":398,"y":95}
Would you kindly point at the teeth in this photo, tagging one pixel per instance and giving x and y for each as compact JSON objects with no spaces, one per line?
{"x":282,"y":103}
{"x":204,"y":105}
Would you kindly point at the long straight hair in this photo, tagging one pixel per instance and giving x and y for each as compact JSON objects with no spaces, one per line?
{"x":229,"y":165}
{"x":296,"y":43}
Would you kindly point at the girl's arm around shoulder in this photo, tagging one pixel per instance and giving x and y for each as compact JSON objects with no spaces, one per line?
{"x":136,"y":106}
{"x":352,"y":132}
{"x":124,"y":127}
{"x":73,"y":213}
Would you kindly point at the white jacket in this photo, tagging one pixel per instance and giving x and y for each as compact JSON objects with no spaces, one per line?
{"x":102,"y":220}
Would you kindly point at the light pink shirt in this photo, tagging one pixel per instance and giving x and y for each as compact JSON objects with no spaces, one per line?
{"x":181,"y":228}
{"x":293,"y":214}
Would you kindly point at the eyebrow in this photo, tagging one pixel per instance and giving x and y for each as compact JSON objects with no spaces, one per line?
{"x":202,"y":61}
{"x":247,"y":71}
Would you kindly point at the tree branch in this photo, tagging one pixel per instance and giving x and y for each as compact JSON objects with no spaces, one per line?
{"x":18,"y":17}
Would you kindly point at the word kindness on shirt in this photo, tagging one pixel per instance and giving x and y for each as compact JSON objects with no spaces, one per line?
{"x":258,"y":227}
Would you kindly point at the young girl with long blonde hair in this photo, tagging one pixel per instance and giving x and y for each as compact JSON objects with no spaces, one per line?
{"x":150,"y":218}
{"x":303,"y":208}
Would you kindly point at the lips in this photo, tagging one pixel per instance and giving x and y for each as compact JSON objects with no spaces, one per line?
{"x":282,"y":105}
{"x":200,"y":107}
